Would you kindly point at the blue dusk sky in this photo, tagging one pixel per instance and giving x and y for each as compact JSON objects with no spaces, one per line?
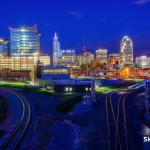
{"x":81,"y":23}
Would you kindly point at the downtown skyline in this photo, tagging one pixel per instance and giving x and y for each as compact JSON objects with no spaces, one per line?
{"x":89,"y":24}
{"x":75,"y":74}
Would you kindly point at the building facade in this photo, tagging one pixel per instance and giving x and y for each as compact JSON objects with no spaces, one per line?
{"x":69,"y":58}
{"x":4,"y":47}
{"x":17,"y":63}
{"x":143,"y":61}
{"x":85,"y":58}
{"x":45,"y":60}
{"x":126,"y":51}
{"x":101,"y":55}
{"x":113,"y":61}
{"x":24,"y":41}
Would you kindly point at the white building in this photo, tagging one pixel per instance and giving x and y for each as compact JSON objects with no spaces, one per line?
{"x":126,"y":51}
{"x":57,"y":53}
{"x":143,"y":61}
{"x":101,"y":55}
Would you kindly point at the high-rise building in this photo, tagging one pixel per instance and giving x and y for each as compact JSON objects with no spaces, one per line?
{"x":142,"y":61}
{"x":113,"y":61}
{"x":101,"y":55}
{"x":57,"y":53}
{"x":3,"y":47}
{"x":24,"y":41}
{"x":85,"y":58}
{"x":68,"y":58}
{"x":126,"y":51}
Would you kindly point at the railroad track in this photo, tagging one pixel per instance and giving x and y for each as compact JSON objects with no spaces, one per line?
{"x":114,"y":123}
{"x":16,"y":136}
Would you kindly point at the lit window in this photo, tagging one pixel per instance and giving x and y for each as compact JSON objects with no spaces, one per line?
{"x":66,"y":89}
{"x":86,"y":89}
{"x":70,"y":89}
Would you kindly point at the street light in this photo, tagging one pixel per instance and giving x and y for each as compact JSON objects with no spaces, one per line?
{"x":147,"y":95}
{"x":93,"y":92}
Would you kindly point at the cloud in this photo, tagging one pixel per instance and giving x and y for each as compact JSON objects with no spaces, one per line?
{"x":76,"y":14}
{"x":141,"y":2}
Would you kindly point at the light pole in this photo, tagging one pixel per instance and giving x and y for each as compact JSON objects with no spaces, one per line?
{"x":93,"y":92}
{"x":147,"y":95}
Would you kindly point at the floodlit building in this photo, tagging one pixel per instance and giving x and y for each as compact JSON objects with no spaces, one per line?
{"x":69,"y":58}
{"x":57,"y":53}
{"x":113,"y":61}
{"x":3,"y":47}
{"x":85,"y":58}
{"x":55,"y":73}
{"x":23,"y":62}
{"x":126,"y":51}
{"x":44,"y":60}
{"x":17,"y":63}
{"x":24,"y":41}
{"x":101,"y":55}
{"x":142,"y":61}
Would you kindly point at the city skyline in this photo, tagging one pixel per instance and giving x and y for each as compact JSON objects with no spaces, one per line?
{"x":75,"y":75}
{"x":61,"y":48}
{"x":90,"y":24}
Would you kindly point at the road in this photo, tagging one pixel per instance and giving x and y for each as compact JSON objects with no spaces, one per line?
{"x":112,"y":125}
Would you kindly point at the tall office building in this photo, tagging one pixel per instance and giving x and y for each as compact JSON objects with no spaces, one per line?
{"x":68,"y":58}
{"x":57,"y":54}
{"x":126,"y":51}
{"x":101,"y":55}
{"x":3,"y":47}
{"x":85,"y":58}
{"x":24,"y":41}
{"x":113,"y":61}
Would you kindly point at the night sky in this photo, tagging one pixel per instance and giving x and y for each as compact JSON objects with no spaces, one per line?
{"x":81,"y":23}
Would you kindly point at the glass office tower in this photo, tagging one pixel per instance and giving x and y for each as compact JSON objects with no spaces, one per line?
{"x":126,"y":51}
{"x":24,"y":41}
{"x":3,"y":47}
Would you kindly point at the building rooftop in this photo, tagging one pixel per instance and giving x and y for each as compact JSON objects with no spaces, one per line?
{"x":72,"y":82}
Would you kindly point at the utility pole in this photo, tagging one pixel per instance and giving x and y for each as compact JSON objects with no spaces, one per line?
{"x":93,"y":92}
{"x":147,"y":95}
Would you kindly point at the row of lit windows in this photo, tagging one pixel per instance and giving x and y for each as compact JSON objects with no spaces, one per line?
{"x":70,"y":89}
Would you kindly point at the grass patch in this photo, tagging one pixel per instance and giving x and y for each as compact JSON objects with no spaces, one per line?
{"x":43,"y":91}
{"x":26,"y":86}
{"x":13,"y":84}
{"x":104,"y":89}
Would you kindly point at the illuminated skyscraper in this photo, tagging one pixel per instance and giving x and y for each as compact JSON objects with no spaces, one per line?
{"x":126,"y":51}
{"x":101,"y":55}
{"x":3,"y":47}
{"x":85,"y":57}
{"x":57,"y":54}
{"x":24,"y":41}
